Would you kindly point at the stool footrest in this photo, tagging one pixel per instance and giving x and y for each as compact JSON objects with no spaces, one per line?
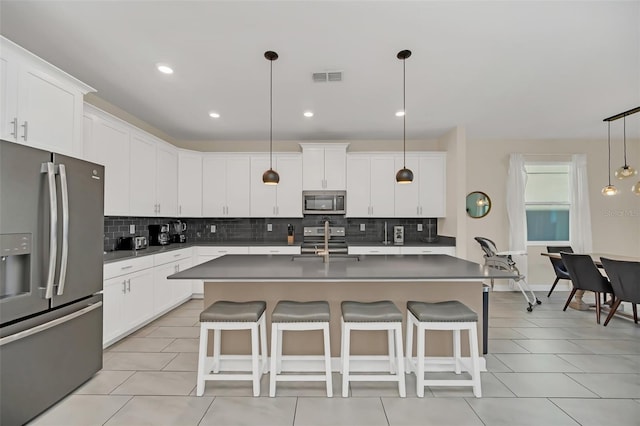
{"x":373,"y":377}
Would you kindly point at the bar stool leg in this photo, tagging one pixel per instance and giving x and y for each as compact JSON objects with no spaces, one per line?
{"x":279,"y":358}
{"x":255,"y":360}
{"x":341,"y":346}
{"x":409,"y":343}
{"x":274,"y":351}
{"x":475,"y":360}
{"x":420,"y":361}
{"x":400,"y":362}
{"x":202,"y":357}
{"x":263,"y":344}
{"x":327,"y":360}
{"x":456,"y":351}
{"x":217,"y":338}
{"x":391,"y":350}
{"x":346,"y":331}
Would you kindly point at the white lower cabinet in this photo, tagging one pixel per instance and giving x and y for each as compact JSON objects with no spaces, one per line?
{"x":274,"y":250}
{"x":374,"y":250}
{"x":451,"y":251}
{"x":169,"y":293}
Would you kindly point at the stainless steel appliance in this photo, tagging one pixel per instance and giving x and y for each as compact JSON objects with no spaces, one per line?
{"x":51,"y":226}
{"x":132,"y":243}
{"x":177,"y":228}
{"x":313,"y":239}
{"x":398,"y":235}
{"x":324,"y":202}
{"x":159,"y":235}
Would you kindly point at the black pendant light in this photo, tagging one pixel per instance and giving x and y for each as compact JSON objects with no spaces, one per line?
{"x":404,"y":175}
{"x":625,"y":171}
{"x":609,"y":189}
{"x":270,"y":177}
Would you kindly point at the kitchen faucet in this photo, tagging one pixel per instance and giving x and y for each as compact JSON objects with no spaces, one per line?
{"x":325,"y":253}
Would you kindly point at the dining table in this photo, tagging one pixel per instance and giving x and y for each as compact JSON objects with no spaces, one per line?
{"x":577,"y":302}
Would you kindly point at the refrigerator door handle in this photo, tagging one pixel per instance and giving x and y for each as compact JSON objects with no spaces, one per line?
{"x":48,"y":325}
{"x":50,"y":170}
{"x":64,"y":259}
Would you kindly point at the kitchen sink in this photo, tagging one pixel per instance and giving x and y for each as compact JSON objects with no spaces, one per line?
{"x":338,"y":257}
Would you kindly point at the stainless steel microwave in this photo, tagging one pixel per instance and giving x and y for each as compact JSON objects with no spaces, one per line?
{"x":324,"y":202}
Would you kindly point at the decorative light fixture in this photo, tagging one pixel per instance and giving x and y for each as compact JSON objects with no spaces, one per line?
{"x":270,"y":177}
{"x":404,"y":175}
{"x":636,"y":188}
{"x":626,"y":170}
{"x":609,"y":189}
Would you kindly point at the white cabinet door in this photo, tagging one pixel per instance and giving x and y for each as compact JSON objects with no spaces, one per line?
{"x":107,"y":143}
{"x":182,"y":289}
{"x":374,"y":250}
{"x":407,"y":196}
{"x":263,"y":197}
{"x":113,"y":293}
{"x":138,"y":301}
{"x":313,"y":168}
{"x":335,"y":168}
{"x":8,"y":98}
{"x":162,"y":287}
{"x":288,"y":250}
{"x":167,"y":180}
{"x":432,"y":182}
{"x":238,"y":184}
{"x":189,"y":184}
{"x":142,"y":176}
{"x":358,"y":186}
{"x":451,"y":251}
{"x":383,"y":185}
{"x":214,"y":186}
{"x":289,"y":190}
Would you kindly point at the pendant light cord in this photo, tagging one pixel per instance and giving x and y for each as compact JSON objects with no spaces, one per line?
{"x":271,"y":115}
{"x":609,"y":143}
{"x":404,"y":116}
{"x":624,"y":138}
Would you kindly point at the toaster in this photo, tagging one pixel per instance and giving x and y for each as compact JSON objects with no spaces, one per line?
{"x":132,"y":243}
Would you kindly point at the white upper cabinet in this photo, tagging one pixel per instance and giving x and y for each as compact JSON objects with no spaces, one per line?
{"x":284,"y":199}
{"x":41,"y":105}
{"x":189,"y":184}
{"x":166,"y":179}
{"x":370,"y":185}
{"x":426,"y":195}
{"x":106,"y":141}
{"x":324,"y":166}
{"x":142,"y":158}
{"x":226,"y":185}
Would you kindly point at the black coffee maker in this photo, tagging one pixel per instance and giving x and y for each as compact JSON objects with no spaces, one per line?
{"x":177,"y":230}
{"x":159,"y":235}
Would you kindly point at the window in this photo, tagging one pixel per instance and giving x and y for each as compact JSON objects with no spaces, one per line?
{"x":547,"y":202}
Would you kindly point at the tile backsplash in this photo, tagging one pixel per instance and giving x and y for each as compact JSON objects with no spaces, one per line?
{"x":256,"y":229}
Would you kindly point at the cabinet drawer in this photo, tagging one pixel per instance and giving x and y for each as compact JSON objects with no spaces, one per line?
{"x":172,"y":256}
{"x":374,"y":250}
{"x":128,"y":266}
{"x":222,"y":250}
{"x":274,"y":250}
{"x":451,"y":251}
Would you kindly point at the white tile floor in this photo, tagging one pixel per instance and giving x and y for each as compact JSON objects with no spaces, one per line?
{"x":547,"y":367}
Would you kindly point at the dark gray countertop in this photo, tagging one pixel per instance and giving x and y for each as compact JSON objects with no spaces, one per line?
{"x":266,"y":268}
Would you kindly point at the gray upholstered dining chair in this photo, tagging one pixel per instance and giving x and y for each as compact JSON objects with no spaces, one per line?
{"x":625,"y":280}
{"x":558,"y":266}
{"x":585,"y":276}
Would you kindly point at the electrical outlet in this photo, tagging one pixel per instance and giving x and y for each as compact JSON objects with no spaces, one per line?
{"x":419,"y":227}
{"x":132,"y":229}
{"x":213,"y":229}
{"x":269,"y":227}
{"x":362,"y":227}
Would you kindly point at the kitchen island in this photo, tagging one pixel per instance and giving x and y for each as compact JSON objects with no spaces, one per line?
{"x":398,"y":278}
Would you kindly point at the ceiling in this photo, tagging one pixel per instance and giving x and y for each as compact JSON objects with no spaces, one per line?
{"x":503,"y":70}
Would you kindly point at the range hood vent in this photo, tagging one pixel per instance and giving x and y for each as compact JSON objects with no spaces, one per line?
{"x":331,"y":76}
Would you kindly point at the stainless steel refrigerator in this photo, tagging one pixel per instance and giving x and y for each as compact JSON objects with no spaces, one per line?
{"x":51,"y":227}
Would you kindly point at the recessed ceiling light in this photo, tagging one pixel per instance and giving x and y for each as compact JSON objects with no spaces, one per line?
{"x":214,"y":115}
{"x":308,"y":114}
{"x":164,"y":68}
{"x":400,"y":114}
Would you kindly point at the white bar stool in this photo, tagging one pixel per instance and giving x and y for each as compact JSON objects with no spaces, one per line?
{"x":299,"y":316}
{"x":381,"y":315}
{"x":224,"y":315}
{"x":449,"y":315}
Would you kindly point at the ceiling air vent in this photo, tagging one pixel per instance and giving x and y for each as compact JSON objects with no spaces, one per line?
{"x":321,"y":77}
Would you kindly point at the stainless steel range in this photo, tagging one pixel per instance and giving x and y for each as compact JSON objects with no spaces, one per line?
{"x":313,"y":240}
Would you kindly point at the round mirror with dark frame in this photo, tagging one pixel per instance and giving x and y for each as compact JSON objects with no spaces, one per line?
{"x":478,"y":204}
